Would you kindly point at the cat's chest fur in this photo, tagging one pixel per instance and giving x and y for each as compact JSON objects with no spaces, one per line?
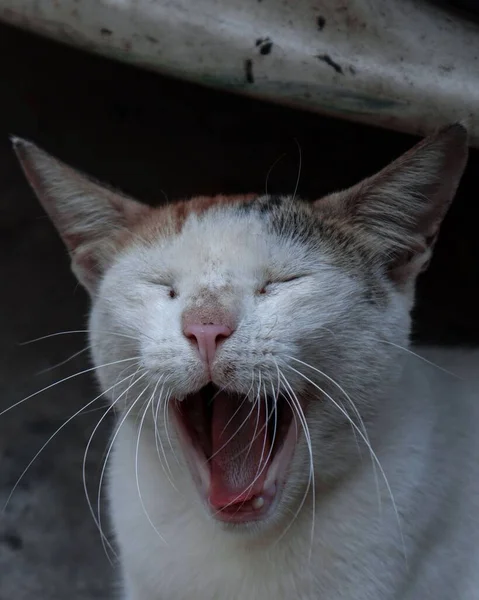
{"x":356,"y":545}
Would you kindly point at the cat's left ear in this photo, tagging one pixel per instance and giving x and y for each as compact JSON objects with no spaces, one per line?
{"x":396,"y":214}
{"x":90,"y":218}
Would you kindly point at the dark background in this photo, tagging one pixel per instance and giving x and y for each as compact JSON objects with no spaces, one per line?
{"x":153,"y":138}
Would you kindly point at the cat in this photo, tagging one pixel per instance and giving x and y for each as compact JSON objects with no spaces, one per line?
{"x":276,"y":436}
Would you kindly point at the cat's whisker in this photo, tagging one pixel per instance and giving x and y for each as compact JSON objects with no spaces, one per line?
{"x":271,"y":169}
{"x":48,"y":387}
{"x":255,"y":406}
{"x":356,"y":412}
{"x":137,"y":470}
{"x":110,"y":447}
{"x":62,"y":426}
{"x":262,"y":465}
{"x":85,"y":454}
{"x":287,"y":399}
{"x":139,"y":412}
{"x":239,"y":407}
{"x":416,"y":355}
{"x":289,"y":208}
{"x":63,"y":362}
{"x":159,"y":441}
{"x":300,"y":165}
{"x":341,"y":389}
{"x":73,"y":331}
{"x":232,"y":436}
{"x":275,"y":424}
{"x":311,"y":478}
{"x":166,"y":420}
{"x":373,"y":454}
{"x":274,"y":411}
{"x":114,"y":408}
{"x":95,"y":410}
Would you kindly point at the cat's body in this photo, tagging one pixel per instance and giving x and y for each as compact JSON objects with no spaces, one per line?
{"x":428,"y":444}
{"x":276,"y":438}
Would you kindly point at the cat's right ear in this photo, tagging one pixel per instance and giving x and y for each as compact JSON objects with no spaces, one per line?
{"x":90,"y":218}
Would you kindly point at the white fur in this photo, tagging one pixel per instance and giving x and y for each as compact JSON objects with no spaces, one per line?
{"x":429,"y":452}
{"x":421,"y":428}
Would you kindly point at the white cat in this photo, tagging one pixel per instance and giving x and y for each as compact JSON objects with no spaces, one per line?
{"x":276,"y":438}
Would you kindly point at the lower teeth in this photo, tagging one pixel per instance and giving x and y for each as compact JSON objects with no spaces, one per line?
{"x":258,"y":502}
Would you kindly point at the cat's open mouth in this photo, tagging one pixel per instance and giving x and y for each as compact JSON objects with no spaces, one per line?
{"x":239,"y":450}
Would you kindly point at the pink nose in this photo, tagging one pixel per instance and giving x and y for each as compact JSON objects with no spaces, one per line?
{"x":206,"y":338}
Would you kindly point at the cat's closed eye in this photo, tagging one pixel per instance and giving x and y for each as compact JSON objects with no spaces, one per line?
{"x":165,"y":285}
{"x":277,"y":281}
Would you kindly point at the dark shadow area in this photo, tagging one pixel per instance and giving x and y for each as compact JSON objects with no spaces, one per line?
{"x":154,"y":138}
{"x":467,"y":9}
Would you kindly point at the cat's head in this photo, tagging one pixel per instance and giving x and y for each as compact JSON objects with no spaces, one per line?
{"x":265,"y":328}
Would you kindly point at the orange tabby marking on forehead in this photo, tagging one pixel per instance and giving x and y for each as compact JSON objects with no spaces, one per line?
{"x":169,"y":219}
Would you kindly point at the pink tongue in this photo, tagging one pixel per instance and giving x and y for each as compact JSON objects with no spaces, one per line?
{"x":240,"y":447}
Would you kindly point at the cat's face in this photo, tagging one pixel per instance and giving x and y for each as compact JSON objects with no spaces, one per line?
{"x":263,"y":330}
{"x":291,"y":305}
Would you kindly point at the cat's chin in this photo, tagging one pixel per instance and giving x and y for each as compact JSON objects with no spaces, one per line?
{"x":238,"y":451}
